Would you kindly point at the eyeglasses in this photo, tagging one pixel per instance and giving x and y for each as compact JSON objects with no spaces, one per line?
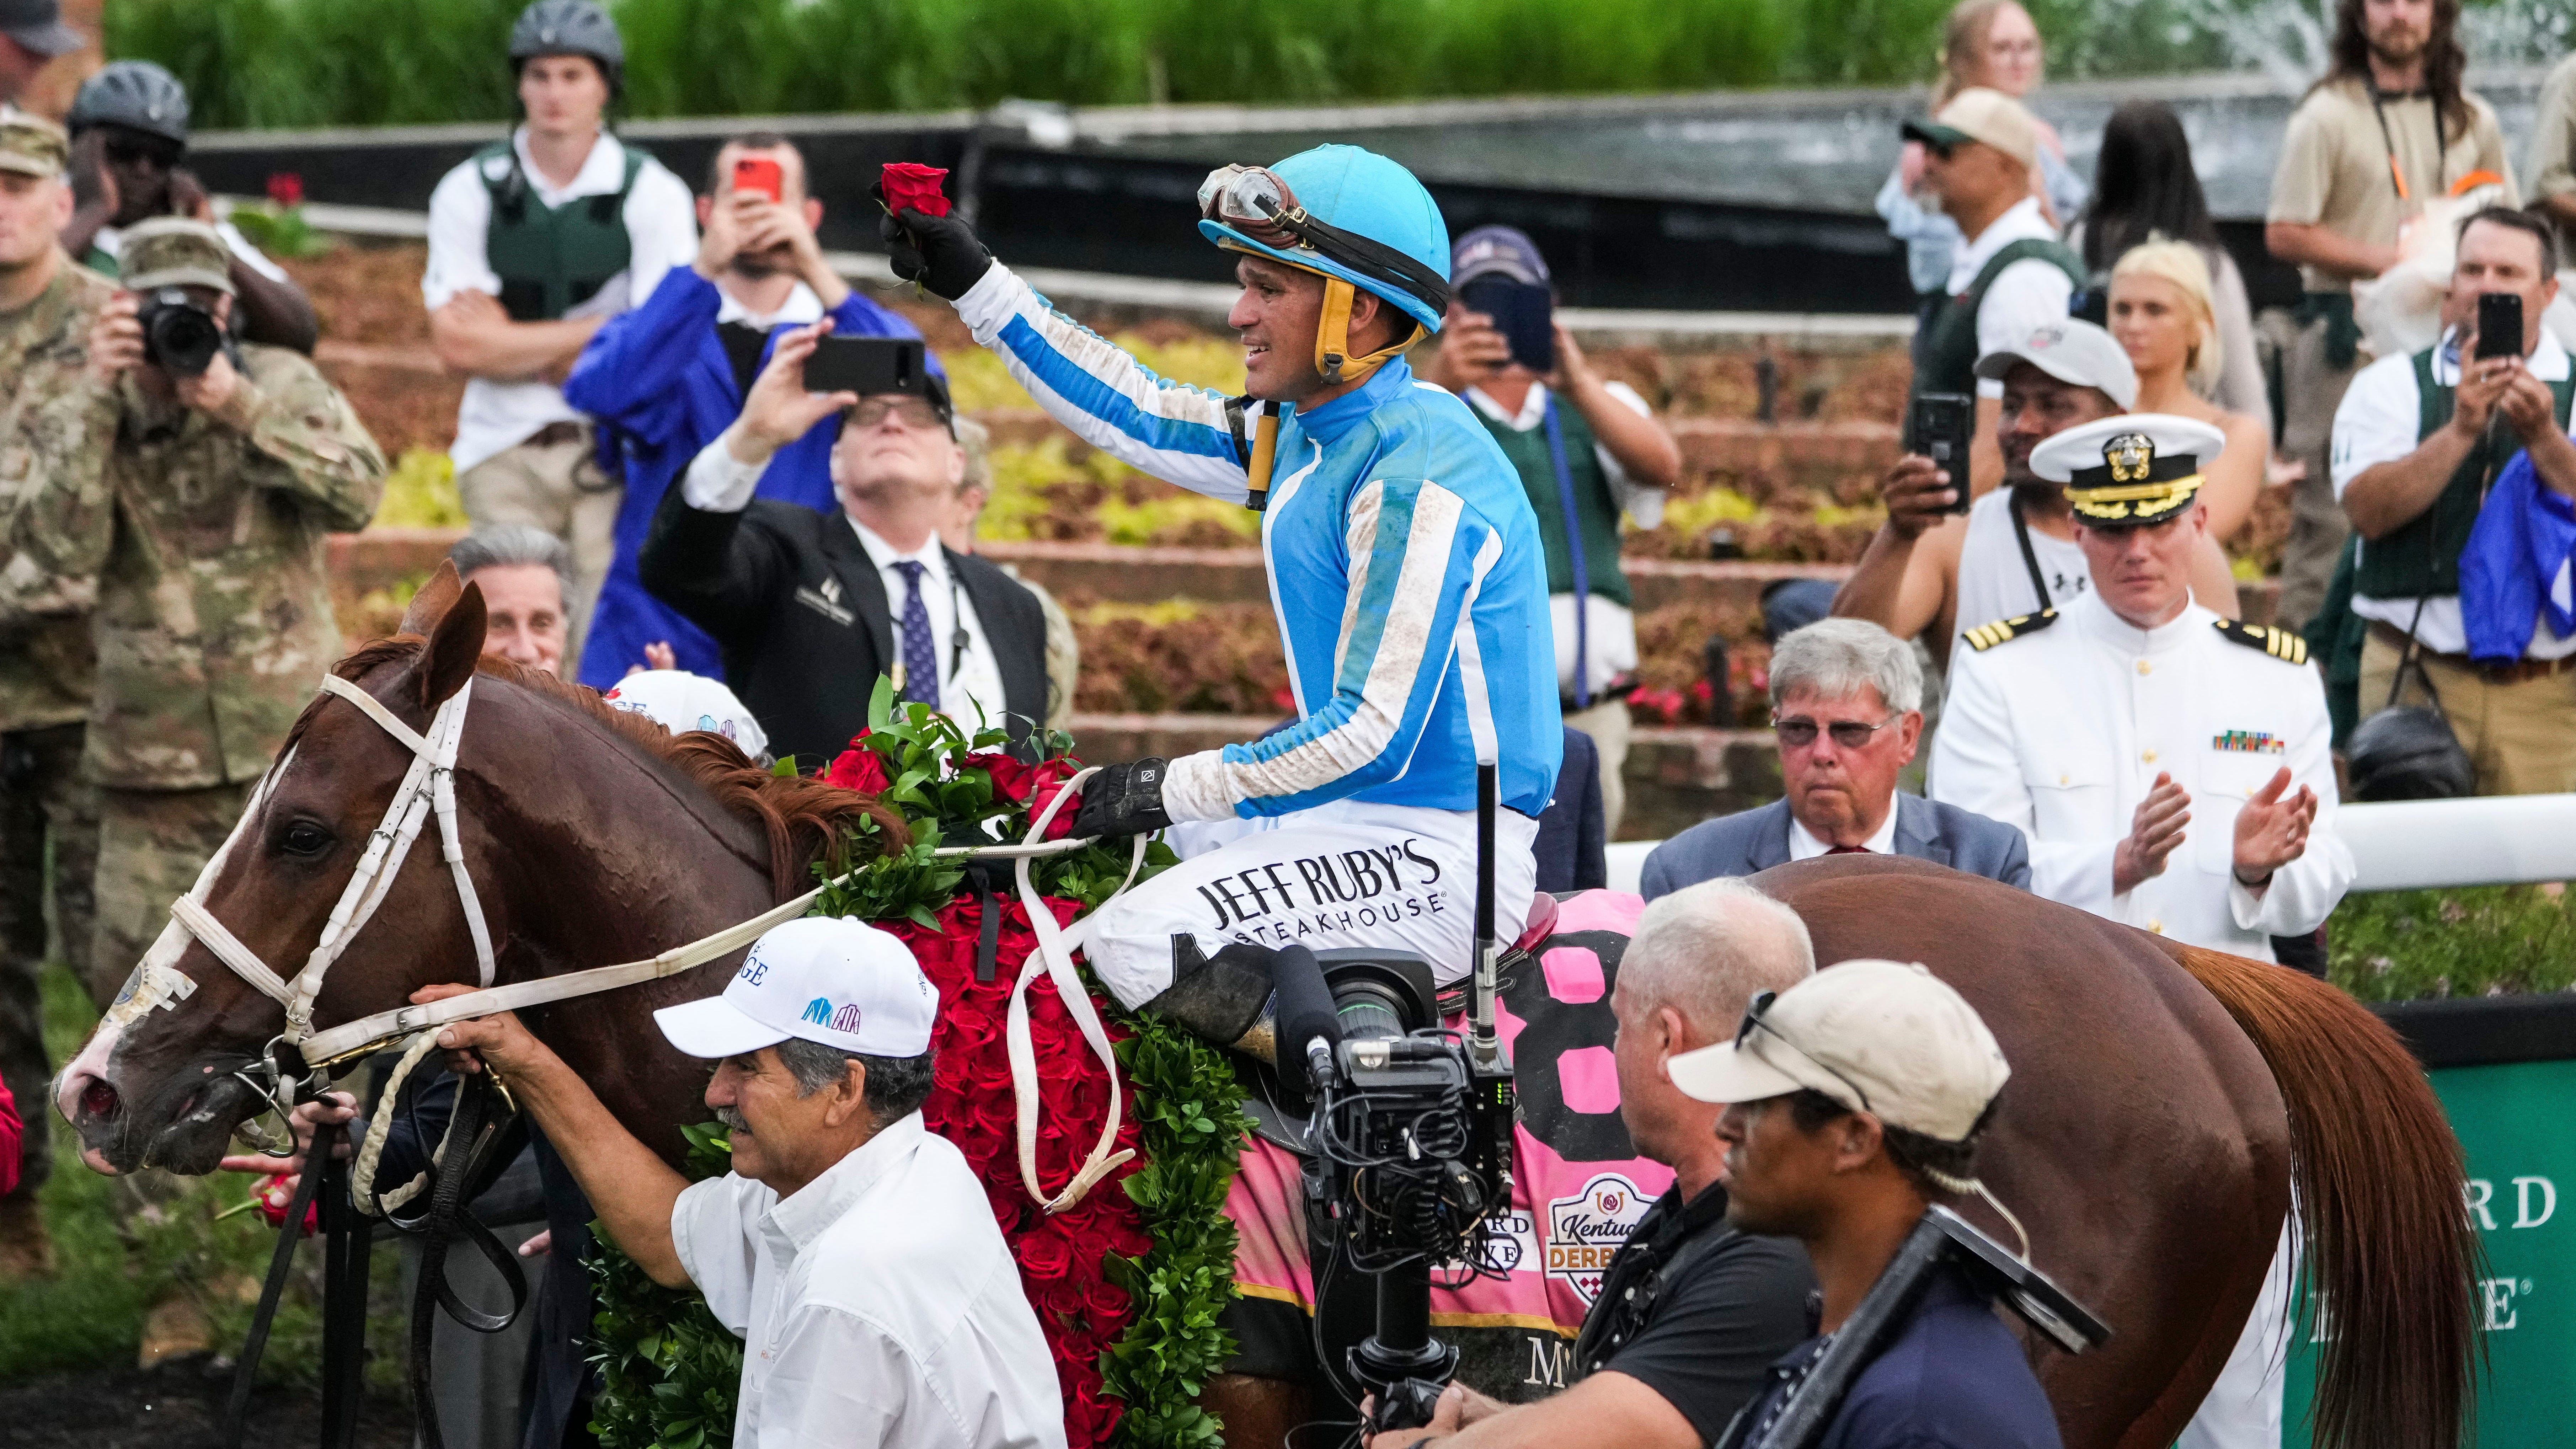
{"x":1798,"y":732}
{"x":912,"y":412}
{"x":1753,"y":1019}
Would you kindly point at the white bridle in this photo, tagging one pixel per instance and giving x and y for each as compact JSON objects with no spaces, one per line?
{"x":429,"y":786}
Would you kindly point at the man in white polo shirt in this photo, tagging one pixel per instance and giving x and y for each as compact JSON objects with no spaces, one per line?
{"x":854,"y":1252}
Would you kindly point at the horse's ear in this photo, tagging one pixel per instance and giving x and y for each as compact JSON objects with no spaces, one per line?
{"x":433,"y":601}
{"x":455,"y":644}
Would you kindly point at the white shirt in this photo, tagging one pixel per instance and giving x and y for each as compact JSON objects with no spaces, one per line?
{"x":1994,"y":580}
{"x":1610,"y":637}
{"x":111,"y":240}
{"x":1803,"y":845}
{"x":970,"y":679}
{"x":2377,"y":424}
{"x":800,"y":309}
{"x":2062,"y":732}
{"x":2026,"y":296}
{"x":662,"y":232}
{"x":879,"y":1306}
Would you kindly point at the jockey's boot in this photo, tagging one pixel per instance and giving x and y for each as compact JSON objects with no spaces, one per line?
{"x":1224,"y":999}
{"x":26,"y":1248}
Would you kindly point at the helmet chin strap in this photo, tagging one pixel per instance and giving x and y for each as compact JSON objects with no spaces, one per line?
{"x":1333,"y":339}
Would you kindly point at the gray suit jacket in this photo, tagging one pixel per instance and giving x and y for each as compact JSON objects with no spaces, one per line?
{"x":1756,"y":840}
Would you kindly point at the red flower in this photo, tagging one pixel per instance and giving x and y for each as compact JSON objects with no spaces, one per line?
{"x":860,"y":769}
{"x":1045,"y":783}
{"x":1010,"y":776}
{"x":275,"y":1194}
{"x":1044,"y":1255}
{"x":286,"y":188}
{"x":908,"y":184}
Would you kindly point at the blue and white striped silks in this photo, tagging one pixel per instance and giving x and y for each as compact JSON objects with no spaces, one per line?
{"x":1405,"y":568}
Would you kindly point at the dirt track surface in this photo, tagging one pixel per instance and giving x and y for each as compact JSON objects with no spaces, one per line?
{"x":177,"y":1406}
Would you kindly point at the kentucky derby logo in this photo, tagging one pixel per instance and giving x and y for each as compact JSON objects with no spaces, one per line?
{"x":1584,"y":1231}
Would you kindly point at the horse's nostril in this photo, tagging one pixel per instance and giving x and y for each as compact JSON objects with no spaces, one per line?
{"x":98,"y":1099}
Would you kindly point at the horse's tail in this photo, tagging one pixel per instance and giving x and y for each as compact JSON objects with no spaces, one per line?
{"x":2377,"y":1175}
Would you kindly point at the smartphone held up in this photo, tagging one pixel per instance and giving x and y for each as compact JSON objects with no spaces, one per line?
{"x":1940,"y":427}
{"x":2499,"y":325}
{"x":761,"y":174}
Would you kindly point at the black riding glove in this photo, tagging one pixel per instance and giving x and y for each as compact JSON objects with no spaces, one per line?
{"x":1123,"y":800}
{"x":940,"y":252}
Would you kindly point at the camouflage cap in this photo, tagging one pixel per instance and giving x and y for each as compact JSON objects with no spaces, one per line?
{"x":173,"y":251}
{"x":31,"y":145}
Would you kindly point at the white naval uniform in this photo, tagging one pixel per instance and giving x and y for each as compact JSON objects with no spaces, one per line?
{"x":2063,"y":730}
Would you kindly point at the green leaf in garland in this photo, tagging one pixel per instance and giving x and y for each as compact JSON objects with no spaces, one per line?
{"x":881,"y":703}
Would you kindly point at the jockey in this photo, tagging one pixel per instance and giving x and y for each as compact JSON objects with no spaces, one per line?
{"x":1405,"y":565}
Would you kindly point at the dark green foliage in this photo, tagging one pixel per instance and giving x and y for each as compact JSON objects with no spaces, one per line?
{"x":2480,"y":941}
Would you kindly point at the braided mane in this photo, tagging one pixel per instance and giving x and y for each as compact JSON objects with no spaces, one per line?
{"x":805,"y":819}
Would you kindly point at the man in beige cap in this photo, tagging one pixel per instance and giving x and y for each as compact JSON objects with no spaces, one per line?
{"x":2012,"y":278}
{"x":195,"y":483}
{"x":1855,"y":1096}
{"x":46,"y":308}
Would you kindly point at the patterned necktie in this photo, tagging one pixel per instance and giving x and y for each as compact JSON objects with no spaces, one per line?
{"x":920,"y":661}
{"x":1848,"y":850}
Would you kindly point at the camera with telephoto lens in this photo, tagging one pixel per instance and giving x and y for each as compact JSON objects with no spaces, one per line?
{"x":1410,"y":1151}
{"x":179,"y":336}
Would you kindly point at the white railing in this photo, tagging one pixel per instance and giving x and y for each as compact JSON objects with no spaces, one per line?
{"x":2411,"y":845}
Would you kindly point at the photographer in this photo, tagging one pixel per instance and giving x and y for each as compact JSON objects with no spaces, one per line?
{"x":1583,"y":468}
{"x":1691,"y":1312}
{"x":811,"y":608}
{"x":195,"y":478}
{"x":668,"y":376}
{"x":2418,"y":441}
{"x":129,"y":126}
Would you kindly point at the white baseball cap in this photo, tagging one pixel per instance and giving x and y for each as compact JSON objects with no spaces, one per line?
{"x":679,"y":701}
{"x":1881,"y":1037}
{"x":1980,"y":113}
{"x":826,"y":979}
{"x":2073,"y":351}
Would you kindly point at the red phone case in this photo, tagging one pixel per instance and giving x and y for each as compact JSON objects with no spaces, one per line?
{"x":758,"y":173}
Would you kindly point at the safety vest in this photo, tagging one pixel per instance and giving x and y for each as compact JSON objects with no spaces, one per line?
{"x":2422,"y":558}
{"x":551,"y":259}
{"x":1596,"y":511}
{"x":1947,"y":361}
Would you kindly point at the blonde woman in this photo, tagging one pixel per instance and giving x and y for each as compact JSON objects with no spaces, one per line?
{"x":2163,"y":315}
{"x":1995,"y":44}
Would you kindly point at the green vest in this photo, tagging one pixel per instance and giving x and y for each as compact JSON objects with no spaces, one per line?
{"x":1947,"y":360}
{"x":552,"y":259}
{"x":1596,"y":508}
{"x":2423,"y":557}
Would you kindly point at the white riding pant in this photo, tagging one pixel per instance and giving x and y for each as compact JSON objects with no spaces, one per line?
{"x":1343,"y":874}
{"x":2243,"y":1409}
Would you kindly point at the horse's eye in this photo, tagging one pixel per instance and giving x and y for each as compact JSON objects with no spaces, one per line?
{"x":305,"y":838}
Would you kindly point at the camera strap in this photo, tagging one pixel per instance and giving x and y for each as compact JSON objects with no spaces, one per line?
{"x":2029,"y":555}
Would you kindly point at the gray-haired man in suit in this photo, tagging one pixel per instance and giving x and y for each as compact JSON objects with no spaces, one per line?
{"x":1847,"y":702}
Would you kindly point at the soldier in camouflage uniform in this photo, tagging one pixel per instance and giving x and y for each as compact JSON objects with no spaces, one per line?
{"x":47,"y":306}
{"x":200,"y":504}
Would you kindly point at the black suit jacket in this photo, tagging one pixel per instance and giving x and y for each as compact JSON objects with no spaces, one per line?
{"x":800,"y":612}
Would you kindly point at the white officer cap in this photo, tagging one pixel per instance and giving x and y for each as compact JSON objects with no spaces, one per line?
{"x":2073,"y":351}
{"x":679,"y":701}
{"x":2133,"y":469}
{"x":1881,"y":1037}
{"x":826,"y":979}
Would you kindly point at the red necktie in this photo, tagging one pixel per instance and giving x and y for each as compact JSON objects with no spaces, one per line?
{"x":1848,"y":850}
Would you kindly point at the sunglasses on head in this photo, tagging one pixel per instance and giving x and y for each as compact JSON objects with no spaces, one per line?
{"x":1798,"y":732}
{"x":1754,"y":1013}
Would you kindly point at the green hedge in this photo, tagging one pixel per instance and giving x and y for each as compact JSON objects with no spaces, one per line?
{"x":2482,"y":941}
{"x":328,"y":62}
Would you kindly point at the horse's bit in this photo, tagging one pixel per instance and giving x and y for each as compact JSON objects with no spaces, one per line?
{"x":429,"y":786}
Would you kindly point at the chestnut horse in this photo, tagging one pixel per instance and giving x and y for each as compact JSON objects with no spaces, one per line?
{"x":2162,"y":1103}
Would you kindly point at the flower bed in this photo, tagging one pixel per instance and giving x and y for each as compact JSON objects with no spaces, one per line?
{"x":1128,"y":1281}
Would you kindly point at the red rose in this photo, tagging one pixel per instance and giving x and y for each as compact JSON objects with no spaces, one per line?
{"x":1010,"y":776}
{"x":1061,"y":1298}
{"x":1047,"y":781}
{"x":859,"y":769}
{"x":1044,"y":1254}
{"x":908,"y":184}
{"x":286,"y":188}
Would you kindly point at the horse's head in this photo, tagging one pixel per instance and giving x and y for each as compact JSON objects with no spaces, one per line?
{"x":157,"y":1083}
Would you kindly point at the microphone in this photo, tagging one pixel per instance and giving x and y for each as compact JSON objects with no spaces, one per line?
{"x":1309,"y":1026}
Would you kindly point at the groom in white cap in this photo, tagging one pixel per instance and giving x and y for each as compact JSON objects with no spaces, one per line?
{"x":853,"y":1251}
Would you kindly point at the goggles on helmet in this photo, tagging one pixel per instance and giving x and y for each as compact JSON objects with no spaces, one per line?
{"x":1255,"y":201}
